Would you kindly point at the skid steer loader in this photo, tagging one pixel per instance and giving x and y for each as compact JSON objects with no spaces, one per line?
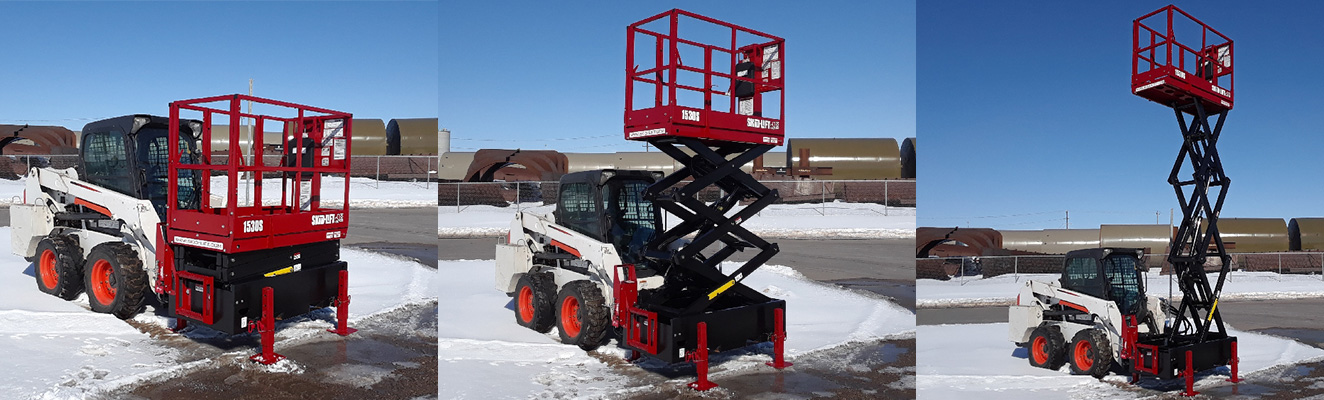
{"x":138,"y":218}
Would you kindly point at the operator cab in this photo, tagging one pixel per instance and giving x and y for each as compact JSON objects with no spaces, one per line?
{"x":129,"y":155}
{"x":608,"y":206}
{"x":1108,"y":273}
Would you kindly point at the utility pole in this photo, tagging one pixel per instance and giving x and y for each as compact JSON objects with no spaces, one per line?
{"x":1068,"y":219}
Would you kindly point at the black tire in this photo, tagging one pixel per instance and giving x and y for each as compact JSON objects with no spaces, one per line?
{"x":59,"y":267}
{"x":1047,"y":347}
{"x":1090,"y":353}
{"x":534,"y":295}
{"x":119,"y":285}
{"x":582,"y":315}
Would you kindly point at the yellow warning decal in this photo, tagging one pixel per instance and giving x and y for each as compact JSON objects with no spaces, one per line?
{"x":1211,"y":311}
{"x":721,"y":289}
{"x":278,"y":272}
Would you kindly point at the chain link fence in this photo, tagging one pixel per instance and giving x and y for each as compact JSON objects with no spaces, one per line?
{"x":889,"y":193}
{"x":945,"y":268}
{"x":420,"y":169}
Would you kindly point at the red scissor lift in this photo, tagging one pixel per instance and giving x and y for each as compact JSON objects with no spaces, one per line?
{"x":735,"y":114}
{"x":1168,"y":67}
{"x":244,"y":261}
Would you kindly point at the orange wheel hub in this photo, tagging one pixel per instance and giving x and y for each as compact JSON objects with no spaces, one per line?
{"x":103,"y":285}
{"x":525,"y":304}
{"x":1038,"y":351}
{"x":49,"y":278}
{"x":1083,"y":355}
{"x":570,"y":316}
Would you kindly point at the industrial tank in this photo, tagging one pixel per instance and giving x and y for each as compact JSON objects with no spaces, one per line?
{"x":647,"y":161}
{"x":454,"y":165}
{"x":1031,"y":241}
{"x":411,"y":136}
{"x":1306,"y":234}
{"x":1060,"y":241}
{"x":908,"y":158}
{"x":1153,"y":238}
{"x":872,"y":158}
{"x":1254,"y":235}
{"x":369,"y":137}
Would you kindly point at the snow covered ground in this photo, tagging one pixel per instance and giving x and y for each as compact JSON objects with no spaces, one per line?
{"x":1002,"y":289}
{"x":60,"y":349}
{"x":790,"y":221}
{"x":489,"y":356}
{"x":363,"y":192}
{"x":978,"y":361}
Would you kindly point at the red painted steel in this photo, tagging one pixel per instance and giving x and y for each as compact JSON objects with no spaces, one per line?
{"x":180,"y":324}
{"x":267,"y":328}
{"x":1172,"y":70}
{"x":182,"y":307}
{"x":342,"y":308}
{"x":719,"y":121}
{"x":1190,"y":377}
{"x":779,"y":340}
{"x":700,"y":359}
{"x":640,"y":325}
{"x":234,"y":228}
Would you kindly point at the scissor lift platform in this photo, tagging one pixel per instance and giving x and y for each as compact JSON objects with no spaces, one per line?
{"x":1172,"y":70}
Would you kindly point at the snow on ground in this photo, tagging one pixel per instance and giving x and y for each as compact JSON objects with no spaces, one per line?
{"x":490,"y":356}
{"x":1002,"y":289}
{"x":363,"y":192}
{"x":978,"y":360}
{"x":60,"y":349}
{"x":789,"y":221}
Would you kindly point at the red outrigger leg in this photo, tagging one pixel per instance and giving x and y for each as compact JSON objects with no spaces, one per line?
{"x":779,"y":340}
{"x":1190,"y":377}
{"x":342,"y":308}
{"x":267,"y":327}
{"x":700,"y":360}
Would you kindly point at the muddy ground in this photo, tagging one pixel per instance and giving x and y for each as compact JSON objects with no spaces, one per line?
{"x":392,"y":356}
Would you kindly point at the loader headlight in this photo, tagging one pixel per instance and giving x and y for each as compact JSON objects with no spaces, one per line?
{"x":196,"y":127}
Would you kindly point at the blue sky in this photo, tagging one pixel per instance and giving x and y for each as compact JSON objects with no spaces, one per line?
{"x":534,"y":75}
{"x":70,"y":63}
{"x":1025,"y":111}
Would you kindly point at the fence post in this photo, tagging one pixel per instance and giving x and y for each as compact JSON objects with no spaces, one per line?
{"x":458,"y":185}
{"x":378,"y":180}
{"x":1280,"y":265}
{"x":1016,"y":267}
{"x":822,"y":200}
{"x":886,"y":199}
{"x":517,"y":199}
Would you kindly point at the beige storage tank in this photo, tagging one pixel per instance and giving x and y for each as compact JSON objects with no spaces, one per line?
{"x":369,"y":137}
{"x":220,"y":138}
{"x":1254,"y":235}
{"x":1153,"y":238}
{"x":453,"y":166}
{"x":1305,"y":234}
{"x":908,"y":158}
{"x":411,"y":136}
{"x":646,"y":161}
{"x":874,"y":158}
{"x":1031,"y":241}
{"x":1060,"y":241}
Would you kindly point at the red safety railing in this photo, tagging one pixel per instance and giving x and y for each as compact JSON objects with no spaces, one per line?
{"x":725,"y":95}
{"x":316,"y":146}
{"x":1176,"y":58}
